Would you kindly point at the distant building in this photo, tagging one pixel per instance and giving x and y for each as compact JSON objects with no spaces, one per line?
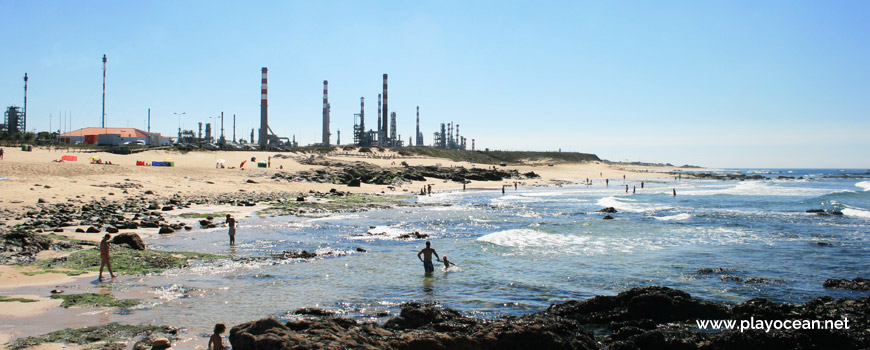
{"x":122,"y":135}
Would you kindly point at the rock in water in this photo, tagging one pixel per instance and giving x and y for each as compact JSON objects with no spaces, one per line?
{"x":841,"y":283}
{"x":132,"y":240}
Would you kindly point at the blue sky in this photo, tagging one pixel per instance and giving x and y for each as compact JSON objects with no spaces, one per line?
{"x":713,"y":83}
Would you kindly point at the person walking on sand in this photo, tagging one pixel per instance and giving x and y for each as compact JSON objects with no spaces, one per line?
{"x":104,"y":256}
{"x":231,"y":221}
{"x":1,"y":153}
{"x":427,"y":257}
{"x":215,"y":342}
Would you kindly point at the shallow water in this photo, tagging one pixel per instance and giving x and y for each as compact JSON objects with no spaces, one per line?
{"x":522,"y":251}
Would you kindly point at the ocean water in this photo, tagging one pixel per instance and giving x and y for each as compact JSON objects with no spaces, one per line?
{"x":524,"y":250}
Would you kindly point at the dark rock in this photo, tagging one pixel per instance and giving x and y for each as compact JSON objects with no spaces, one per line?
{"x":313,"y":312}
{"x":300,"y":199}
{"x":857,"y":283}
{"x":420,"y":326}
{"x":80,"y":230}
{"x":58,"y":230}
{"x":167,"y":208}
{"x":92,"y":229}
{"x":131,"y":240}
{"x":607,"y":217}
{"x":251,"y":181}
{"x":659,"y":304}
{"x":165,"y":230}
{"x":111,"y":229}
{"x":153,"y":206}
{"x":149,"y":192}
{"x":40,"y":200}
{"x":608,"y":210}
{"x":361,"y":250}
{"x":414,"y":235}
{"x":354,"y":183}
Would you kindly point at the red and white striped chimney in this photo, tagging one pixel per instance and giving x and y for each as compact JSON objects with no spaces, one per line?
{"x":264,"y":112}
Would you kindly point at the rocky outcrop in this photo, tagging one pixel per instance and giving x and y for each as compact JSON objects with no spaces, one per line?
{"x":640,"y":318}
{"x":857,"y":283}
{"x":353,"y":174}
{"x":420,"y":326}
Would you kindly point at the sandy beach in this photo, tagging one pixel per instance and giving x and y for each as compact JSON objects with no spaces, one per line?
{"x":29,"y":176}
{"x":33,"y":177}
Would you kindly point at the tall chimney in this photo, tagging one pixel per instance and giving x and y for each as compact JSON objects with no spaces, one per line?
{"x":104,"y":91}
{"x":25,"y":101}
{"x":380,"y":123}
{"x":418,"y":135}
{"x":264,"y":112}
{"x":385,"y":111}
{"x":325,"y":138}
{"x":362,"y":114}
{"x":393,"y":139}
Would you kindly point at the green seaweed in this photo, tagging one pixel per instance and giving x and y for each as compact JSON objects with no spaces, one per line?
{"x":103,"y":335}
{"x":6,"y":299}
{"x":124,"y":261}
{"x":340,"y":204}
{"x":94,"y":300}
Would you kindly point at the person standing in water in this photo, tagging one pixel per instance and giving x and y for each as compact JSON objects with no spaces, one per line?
{"x":231,"y":221}
{"x":427,"y":257}
{"x":104,"y":256}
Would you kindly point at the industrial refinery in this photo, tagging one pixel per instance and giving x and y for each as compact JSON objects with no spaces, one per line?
{"x":385,"y":133}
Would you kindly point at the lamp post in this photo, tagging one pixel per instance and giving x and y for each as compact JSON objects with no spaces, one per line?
{"x":179,"y":124}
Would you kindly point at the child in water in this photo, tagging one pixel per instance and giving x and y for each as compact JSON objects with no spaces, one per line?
{"x":215,"y":342}
{"x":446,"y":262}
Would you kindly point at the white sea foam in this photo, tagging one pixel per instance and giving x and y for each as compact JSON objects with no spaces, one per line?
{"x":677,"y":217}
{"x":522,"y":238}
{"x":864,"y":184}
{"x":758,"y":188}
{"x":856,"y":213}
{"x":383,"y":233}
{"x":630,"y":205}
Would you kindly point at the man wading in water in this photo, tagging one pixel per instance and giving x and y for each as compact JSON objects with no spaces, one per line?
{"x":427,"y":257}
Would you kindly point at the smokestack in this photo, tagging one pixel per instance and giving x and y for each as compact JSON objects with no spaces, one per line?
{"x":362,"y":114}
{"x":325,"y":139}
{"x":418,"y":135}
{"x":380,"y":123}
{"x":385,"y":111}
{"x":104,"y":91}
{"x":264,"y":112}
{"x":25,"y":100}
{"x":393,"y":139}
